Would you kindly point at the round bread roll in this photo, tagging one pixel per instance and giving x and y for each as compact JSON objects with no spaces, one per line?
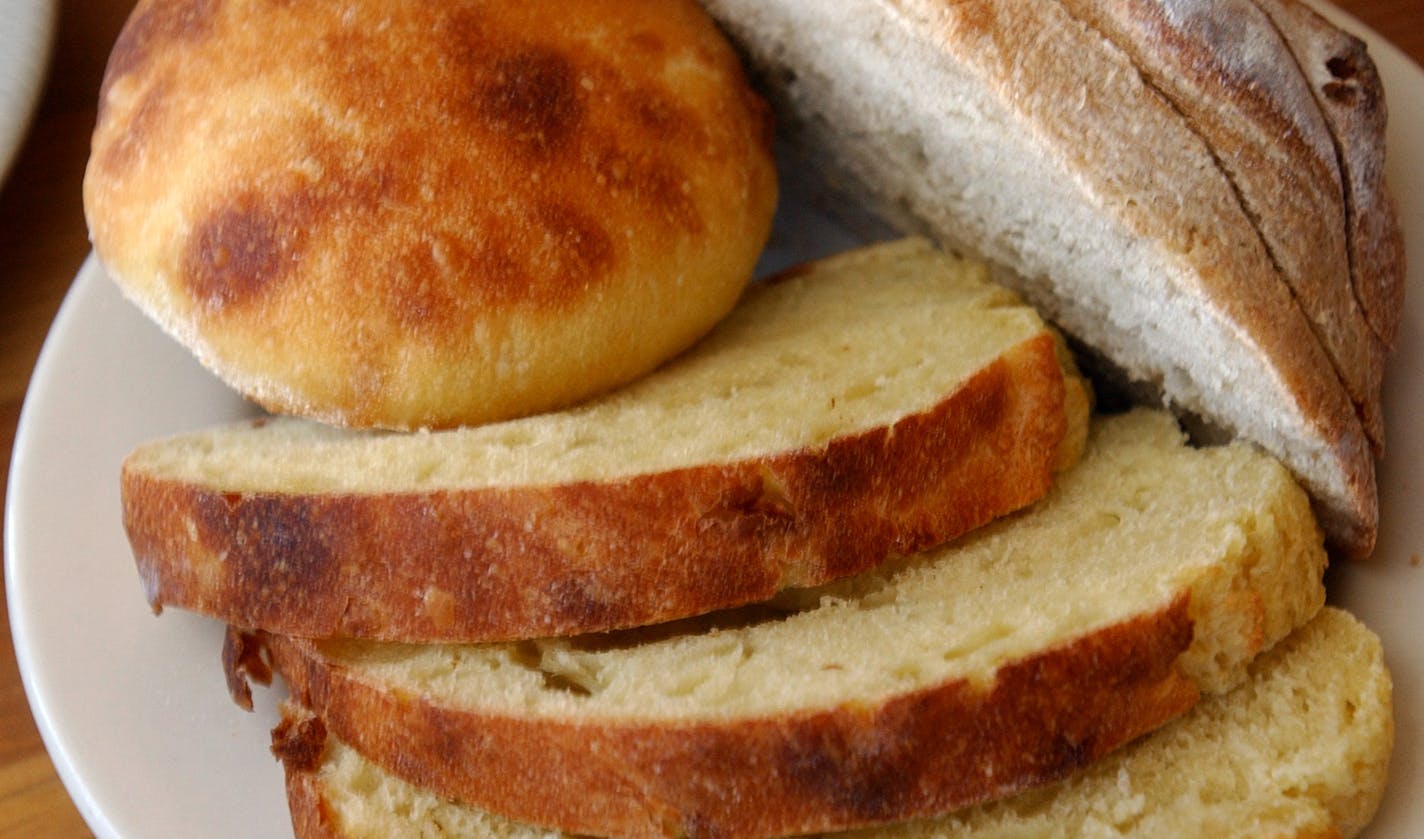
{"x":413,"y":214}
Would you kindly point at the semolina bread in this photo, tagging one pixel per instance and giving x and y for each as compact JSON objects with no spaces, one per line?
{"x":1150,"y":573}
{"x":428,"y":214}
{"x":866,"y":406}
{"x":1301,"y":749}
{"x":1137,"y":172}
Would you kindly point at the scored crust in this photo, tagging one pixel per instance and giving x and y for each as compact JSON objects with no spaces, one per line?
{"x":428,"y":214}
{"x":1347,"y":86}
{"x":1057,"y":161}
{"x":1224,"y":66}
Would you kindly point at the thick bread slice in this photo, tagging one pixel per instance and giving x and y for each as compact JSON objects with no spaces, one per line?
{"x":409,"y":215}
{"x":1019,"y":133}
{"x":1300,"y":750}
{"x":866,"y":406}
{"x":1151,"y":571}
{"x":1347,"y":86}
{"x":1225,"y":67}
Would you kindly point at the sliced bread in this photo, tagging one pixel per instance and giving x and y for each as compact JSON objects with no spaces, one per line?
{"x":862,"y":407}
{"x":1022,"y":134}
{"x":1300,"y":750}
{"x":1151,"y":572}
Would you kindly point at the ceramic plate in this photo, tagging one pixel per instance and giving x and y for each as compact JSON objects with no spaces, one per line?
{"x":133,"y":707}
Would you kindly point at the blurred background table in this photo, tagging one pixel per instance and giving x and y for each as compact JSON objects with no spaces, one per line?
{"x":42,"y":245}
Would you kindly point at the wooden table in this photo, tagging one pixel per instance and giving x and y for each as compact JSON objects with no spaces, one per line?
{"x":43,"y":243}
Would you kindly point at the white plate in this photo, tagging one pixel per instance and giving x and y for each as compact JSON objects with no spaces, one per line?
{"x":26,"y":34}
{"x":134,"y":709}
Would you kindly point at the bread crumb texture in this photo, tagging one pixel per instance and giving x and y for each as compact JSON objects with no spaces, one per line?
{"x":1301,"y":749}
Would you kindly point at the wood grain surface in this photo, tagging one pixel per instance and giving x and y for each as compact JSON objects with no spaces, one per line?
{"x":42,"y":245}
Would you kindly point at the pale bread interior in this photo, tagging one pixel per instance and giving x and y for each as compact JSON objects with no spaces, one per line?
{"x":876,"y":95}
{"x":855,"y":342}
{"x":1301,"y":747}
{"x":1140,"y":521}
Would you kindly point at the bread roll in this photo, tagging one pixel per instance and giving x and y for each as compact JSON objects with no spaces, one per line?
{"x":428,"y":214}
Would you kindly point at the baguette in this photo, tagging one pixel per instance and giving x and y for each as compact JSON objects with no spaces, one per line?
{"x":866,"y":406}
{"x":1104,"y":191}
{"x":1300,"y":750}
{"x":1032,"y":647}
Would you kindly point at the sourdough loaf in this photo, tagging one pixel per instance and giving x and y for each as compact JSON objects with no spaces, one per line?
{"x":869,"y":405}
{"x":428,"y":214}
{"x":1347,"y":87}
{"x":1028,"y":649}
{"x":1226,"y":68}
{"x":1123,"y":164}
{"x":1300,"y":750}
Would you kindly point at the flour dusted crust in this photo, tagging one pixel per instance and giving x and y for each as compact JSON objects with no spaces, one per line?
{"x":1347,"y":86}
{"x":1025,"y":651}
{"x":1046,"y":149}
{"x":428,"y":214}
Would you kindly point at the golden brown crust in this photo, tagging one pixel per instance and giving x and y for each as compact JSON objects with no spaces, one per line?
{"x":430,"y":214}
{"x":310,"y":817}
{"x":884,"y":759}
{"x":466,"y":565}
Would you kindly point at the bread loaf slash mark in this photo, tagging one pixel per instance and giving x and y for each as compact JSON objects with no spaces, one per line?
{"x":244,"y":659}
{"x":1377,"y":277}
{"x":1370,"y":421}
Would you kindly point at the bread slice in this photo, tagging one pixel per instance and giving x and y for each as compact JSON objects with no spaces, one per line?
{"x":866,"y":406}
{"x":1019,"y":133}
{"x":429,"y":214}
{"x":1028,"y":649}
{"x":1300,"y":750}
